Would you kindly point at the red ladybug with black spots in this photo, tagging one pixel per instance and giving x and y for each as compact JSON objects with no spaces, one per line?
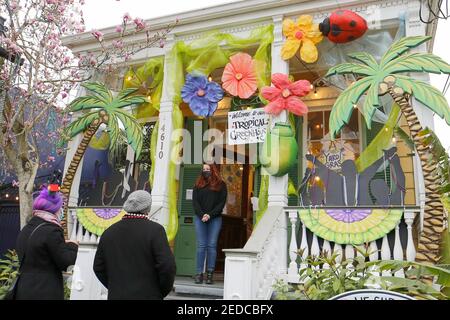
{"x":343,"y":26}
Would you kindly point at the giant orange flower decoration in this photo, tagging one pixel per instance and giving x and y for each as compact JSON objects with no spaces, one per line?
{"x":239,"y":76}
{"x":285,"y":95}
{"x":303,"y":35}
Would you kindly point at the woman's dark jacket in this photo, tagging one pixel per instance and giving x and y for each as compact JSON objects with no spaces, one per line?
{"x":134,"y":261}
{"x":207,"y":201}
{"x":47,"y":255}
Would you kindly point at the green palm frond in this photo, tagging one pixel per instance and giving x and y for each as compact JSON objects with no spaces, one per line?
{"x":100,"y":90}
{"x":125,"y":93}
{"x":125,"y":101}
{"x":371,"y":103}
{"x":426,"y":94}
{"x":343,"y":107}
{"x":81,"y":124}
{"x":133,"y":130}
{"x":401,"y":46}
{"x":418,"y":62}
{"x":113,"y":131}
{"x":348,"y":67}
{"x":365,"y":58}
{"x":86,"y":103}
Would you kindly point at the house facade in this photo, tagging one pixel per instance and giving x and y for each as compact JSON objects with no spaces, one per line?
{"x":262,"y":225}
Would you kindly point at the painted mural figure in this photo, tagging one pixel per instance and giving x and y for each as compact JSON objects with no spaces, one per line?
{"x":351,"y":188}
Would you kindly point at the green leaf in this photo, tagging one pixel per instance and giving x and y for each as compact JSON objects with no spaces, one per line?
{"x":418,"y":62}
{"x":401,"y":46}
{"x":371,"y":103}
{"x":127,"y":101}
{"x":85,"y":103}
{"x":405,"y":137}
{"x":81,"y":124}
{"x":99,"y":89}
{"x":347,"y":67}
{"x":365,"y":58}
{"x":113,"y":131}
{"x":426,"y":94}
{"x":343,"y":107}
{"x":133,"y":131}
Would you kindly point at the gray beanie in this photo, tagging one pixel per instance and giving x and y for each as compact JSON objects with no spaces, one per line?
{"x":139,"y":201}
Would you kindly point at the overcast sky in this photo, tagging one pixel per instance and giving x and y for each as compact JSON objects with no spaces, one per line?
{"x":105,"y":13}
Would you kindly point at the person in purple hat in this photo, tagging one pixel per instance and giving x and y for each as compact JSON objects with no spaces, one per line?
{"x":43,"y":252}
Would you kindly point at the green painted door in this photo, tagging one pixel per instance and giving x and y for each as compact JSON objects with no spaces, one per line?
{"x":185,"y":242}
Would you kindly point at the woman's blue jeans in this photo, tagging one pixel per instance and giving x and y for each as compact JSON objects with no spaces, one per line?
{"x":207,"y":235}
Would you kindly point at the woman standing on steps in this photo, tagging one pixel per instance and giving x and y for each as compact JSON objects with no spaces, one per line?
{"x":209,"y":198}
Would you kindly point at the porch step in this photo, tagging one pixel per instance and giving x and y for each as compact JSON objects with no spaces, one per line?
{"x":186,"y":289}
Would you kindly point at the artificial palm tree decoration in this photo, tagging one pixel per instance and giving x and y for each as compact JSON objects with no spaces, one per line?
{"x":385,"y":77}
{"x":103,"y":108}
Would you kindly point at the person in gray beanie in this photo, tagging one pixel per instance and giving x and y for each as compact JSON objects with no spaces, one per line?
{"x":133,"y":259}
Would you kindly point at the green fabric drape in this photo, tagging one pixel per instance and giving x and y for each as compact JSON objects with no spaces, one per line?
{"x":149,"y":79}
{"x":382,"y":141}
{"x":203,"y":56}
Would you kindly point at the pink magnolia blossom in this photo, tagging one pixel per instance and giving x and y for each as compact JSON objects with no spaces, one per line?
{"x":140,"y":24}
{"x":119,"y":29}
{"x":127,"y":17}
{"x":285,"y":95}
{"x":98,"y":35}
{"x":118,"y":44}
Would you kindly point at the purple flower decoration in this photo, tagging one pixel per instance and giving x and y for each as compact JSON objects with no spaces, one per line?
{"x":348,"y":215}
{"x":201,"y":95}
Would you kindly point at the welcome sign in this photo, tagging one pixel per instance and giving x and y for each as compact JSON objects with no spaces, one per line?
{"x":369,"y":294}
{"x":247,"y":126}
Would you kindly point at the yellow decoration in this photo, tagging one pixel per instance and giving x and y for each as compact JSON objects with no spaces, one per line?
{"x":303,"y":35}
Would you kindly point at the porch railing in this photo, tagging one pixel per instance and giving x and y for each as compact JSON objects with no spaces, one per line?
{"x":269,"y":255}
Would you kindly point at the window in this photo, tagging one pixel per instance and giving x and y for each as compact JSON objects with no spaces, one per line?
{"x":346,"y":145}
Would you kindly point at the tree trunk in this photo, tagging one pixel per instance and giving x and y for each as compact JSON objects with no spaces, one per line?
{"x":73,"y":166}
{"x":25,"y":198}
{"x":430,"y":237}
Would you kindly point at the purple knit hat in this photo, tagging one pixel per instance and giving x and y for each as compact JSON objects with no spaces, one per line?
{"x":48,"y":201}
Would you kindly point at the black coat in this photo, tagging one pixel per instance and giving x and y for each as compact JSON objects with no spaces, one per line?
{"x":134,"y":261}
{"x":47,"y":255}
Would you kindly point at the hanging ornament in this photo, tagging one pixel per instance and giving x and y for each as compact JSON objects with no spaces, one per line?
{"x":201,"y":95}
{"x":279,"y":150}
{"x":285,"y":95}
{"x":343,"y":26}
{"x":239,"y":76}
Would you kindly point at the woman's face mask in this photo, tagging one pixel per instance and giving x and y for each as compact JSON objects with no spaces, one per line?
{"x":206,"y":174}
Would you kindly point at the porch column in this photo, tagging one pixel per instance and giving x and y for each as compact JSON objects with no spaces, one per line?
{"x":414,"y":27}
{"x":278,"y":185}
{"x":160,"y":199}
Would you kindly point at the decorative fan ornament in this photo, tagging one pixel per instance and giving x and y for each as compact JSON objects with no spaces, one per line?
{"x":350,"y":226}
{"x":201,"y":95}
{"x":97,"y":220}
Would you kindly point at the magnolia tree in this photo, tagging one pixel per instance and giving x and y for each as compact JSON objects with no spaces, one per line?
{"x":38,"y":73}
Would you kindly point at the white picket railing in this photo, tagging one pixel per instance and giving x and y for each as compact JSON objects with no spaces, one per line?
{"x":398,"y":251}
{"x":269,"y":255}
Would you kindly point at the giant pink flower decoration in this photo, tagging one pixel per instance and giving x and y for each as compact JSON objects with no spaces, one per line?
{"x":286,"y":95}
{"x":239,"y":76}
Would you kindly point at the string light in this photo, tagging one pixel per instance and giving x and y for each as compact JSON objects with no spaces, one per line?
{"x":315,"y":91}
{"x":394,"y":140}
{"x":317,"y":178}
{"x":312,"y":87}
{"x":17,"y":198}
{"x":129,"y":78}
{"x":386,"y":129}
{"x":355,"y":106}
{"x":7,"y":195}
{"x":209,"y":78}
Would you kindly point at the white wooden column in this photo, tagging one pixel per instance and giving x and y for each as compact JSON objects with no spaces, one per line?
{"x":278,"y":185}
{"x":160,"y":190}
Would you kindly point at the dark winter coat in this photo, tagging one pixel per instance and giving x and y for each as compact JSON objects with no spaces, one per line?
{"x":207,"y":201}
{"x":134,"y":261}
{"x":47,"y":255}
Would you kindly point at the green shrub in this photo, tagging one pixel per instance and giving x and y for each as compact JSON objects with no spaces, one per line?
{"x":9,"y":270}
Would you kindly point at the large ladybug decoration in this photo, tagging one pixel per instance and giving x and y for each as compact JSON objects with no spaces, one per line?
{"x":343,"y":26}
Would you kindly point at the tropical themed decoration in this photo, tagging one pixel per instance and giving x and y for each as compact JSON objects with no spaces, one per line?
{"x":350,"y":226}
{"x":239,"y":76}
{"x":303,"y":34}
{"x":386,"y":77}
{"x":101,"y":108}
{"x":279,"y":151}
{"x":148,"y":79}
{"x":285,"y":95}
{"x":343,"y":26}
{"x":97,"y":220}
{"x":201,"y":95}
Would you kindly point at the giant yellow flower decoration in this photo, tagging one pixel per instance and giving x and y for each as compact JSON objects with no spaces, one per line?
{"x":303,"y":35}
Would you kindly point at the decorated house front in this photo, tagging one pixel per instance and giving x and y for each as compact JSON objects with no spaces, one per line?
{"x":260,"y":89}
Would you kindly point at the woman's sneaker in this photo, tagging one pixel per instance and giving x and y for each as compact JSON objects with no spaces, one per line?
{"x":198,"y":278}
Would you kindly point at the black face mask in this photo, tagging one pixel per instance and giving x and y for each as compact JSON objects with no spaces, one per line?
{"x":206,"y":174}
